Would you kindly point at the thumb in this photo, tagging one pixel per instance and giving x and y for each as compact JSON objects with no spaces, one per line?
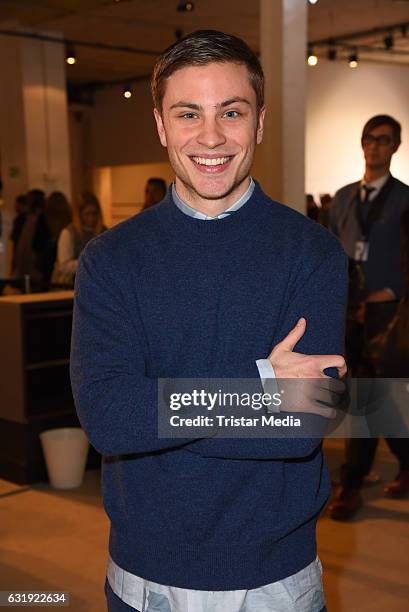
{"x":294,"y":335}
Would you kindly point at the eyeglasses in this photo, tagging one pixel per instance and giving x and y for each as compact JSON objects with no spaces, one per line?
{"x":383,"y":139}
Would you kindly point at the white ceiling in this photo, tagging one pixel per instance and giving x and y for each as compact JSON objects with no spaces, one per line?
{"x":151,"y":25}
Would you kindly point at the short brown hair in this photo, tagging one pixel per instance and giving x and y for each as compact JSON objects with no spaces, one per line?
{"x":379,"y":120}
{"x":199,"y":49}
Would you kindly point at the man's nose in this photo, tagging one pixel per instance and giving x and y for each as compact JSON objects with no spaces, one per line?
{"x":211,"y":134}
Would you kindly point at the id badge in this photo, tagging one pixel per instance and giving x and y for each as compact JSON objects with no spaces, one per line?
{"x":361,"y":250}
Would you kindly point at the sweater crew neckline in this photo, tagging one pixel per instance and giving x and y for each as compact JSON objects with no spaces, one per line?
{"x":230,"y":228}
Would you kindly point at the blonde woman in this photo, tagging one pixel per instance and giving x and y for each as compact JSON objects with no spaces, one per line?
{"x":58,"y":214}
{"x":87,"y":224}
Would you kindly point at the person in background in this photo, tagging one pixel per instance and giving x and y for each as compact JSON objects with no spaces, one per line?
{"x":21,"y":209}
{"x":87,"y":224}
{"x":312,"y":208}
{"x":155,"y":191}
{"x":30,"y":254}
{"x":323,"y":214}
{"x":366,"y":216}
{"x":58,"y":215}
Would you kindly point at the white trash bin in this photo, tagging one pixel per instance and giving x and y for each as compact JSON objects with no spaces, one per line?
{"x":65,"y":451}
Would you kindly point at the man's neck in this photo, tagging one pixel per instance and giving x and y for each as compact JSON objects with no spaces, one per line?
{"x":211,"y":208}
{"x":372,"y":174}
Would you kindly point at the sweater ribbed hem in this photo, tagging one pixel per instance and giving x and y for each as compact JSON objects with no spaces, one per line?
{"x":227,"y":569}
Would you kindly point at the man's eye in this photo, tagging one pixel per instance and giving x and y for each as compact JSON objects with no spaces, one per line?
{"x":188,"y":116}
{"x":232,"y":114}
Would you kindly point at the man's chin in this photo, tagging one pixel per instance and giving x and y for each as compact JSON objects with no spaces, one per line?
{"x":215,"y":191}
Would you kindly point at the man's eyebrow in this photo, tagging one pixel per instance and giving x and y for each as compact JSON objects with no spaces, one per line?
{"x":234,"y":101}
{"x":182,"y":104}
{"x":198,"y":107}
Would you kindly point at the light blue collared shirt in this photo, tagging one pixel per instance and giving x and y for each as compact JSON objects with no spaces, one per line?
{"x":192,"y":212}
{"x":264,"y":366}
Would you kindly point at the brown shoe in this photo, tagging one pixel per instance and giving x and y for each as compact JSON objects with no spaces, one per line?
{"x":399,"y":487}
{"x":345,"y":505}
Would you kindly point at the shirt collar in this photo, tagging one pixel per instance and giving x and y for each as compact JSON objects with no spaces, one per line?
{"x":188,"y":210}
{"x":378,"y":184}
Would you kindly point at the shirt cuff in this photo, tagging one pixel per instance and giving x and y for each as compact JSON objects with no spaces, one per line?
{"x":268,"y":380}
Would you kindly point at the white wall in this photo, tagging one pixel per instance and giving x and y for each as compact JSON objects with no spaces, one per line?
{"x":340,"y":101}
{"x":128,"y":187}
{"x":123,"y":131}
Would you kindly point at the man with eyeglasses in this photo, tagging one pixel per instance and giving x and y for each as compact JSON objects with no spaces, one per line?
{"x":366,"y":217}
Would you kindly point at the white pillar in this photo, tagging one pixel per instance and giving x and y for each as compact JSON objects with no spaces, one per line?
{"x":283,"y":40}
{"x":34,"y":146}
{"x":102,"y":187}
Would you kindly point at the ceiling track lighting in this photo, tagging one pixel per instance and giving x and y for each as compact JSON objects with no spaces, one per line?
{"x":185,"y":7}
{"x":312,"y":2}
{"x":332,"y":53}
{"x":70,"y":56}
{"x":383,"y":40}
{"x":389,"y":42}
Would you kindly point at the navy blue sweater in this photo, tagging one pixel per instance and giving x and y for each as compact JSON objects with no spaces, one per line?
{"x":166,"y":295}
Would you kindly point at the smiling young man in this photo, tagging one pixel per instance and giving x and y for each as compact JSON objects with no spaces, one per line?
{"x":217,"y":281}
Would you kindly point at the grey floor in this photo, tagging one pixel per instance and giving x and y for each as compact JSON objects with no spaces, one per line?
{"x":52,"y":540}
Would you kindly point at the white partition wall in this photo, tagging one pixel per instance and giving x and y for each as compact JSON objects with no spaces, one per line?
{"x":339,"y":102}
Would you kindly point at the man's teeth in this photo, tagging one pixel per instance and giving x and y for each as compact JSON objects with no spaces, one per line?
{"x":205,"y":161}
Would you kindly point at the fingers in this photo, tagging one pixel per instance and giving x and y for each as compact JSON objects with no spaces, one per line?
{"x":331,"y":361}
{"x":323,"y":396}
{"x":311,"y":408}
{"x":294,"y":335}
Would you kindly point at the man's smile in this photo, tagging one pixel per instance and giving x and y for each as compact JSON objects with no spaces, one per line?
{"x":211,"y":165}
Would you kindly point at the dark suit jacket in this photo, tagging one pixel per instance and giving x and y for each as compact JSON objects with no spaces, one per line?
{"x":383,"y":266}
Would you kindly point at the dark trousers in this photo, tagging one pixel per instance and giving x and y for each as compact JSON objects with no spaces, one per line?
{"x":360,"y":453}
{"x":114,"y":603}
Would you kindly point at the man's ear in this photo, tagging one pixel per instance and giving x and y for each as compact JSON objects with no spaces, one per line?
{"x":260,"y":124}
{"x":160,"y":127}
{"x":396,"y":147}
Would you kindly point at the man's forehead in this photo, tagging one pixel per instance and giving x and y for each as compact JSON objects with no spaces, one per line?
{"x":218,"y":81}
{"x":383,"y":128}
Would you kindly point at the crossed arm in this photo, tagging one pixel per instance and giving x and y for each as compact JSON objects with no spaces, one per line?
{"x":116,"y":401}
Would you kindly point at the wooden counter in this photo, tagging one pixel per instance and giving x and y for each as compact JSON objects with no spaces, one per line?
{"x":35,"y":389}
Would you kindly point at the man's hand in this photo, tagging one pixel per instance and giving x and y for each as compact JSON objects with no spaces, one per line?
{"x":314,"y":396}
{"x":288,"y":364}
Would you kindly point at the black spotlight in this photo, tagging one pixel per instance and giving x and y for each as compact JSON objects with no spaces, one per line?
{"x":70,"y":56}
{"x":353,"y":60}
{"x":185,"y":7}
{"x":332,"y":54}
{"x":388,"y":42}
